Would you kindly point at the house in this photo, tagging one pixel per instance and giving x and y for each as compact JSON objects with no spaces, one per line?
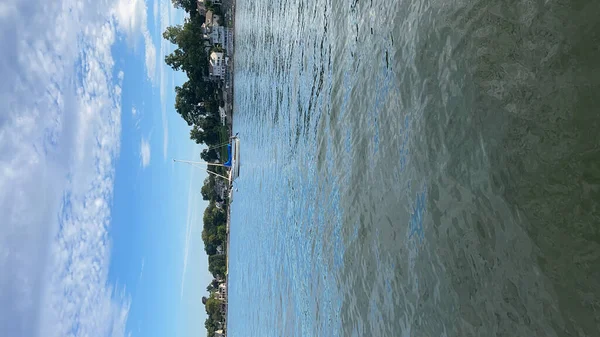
{"x":221,"y":293}
{"x":220,"y":189}
{"x":216,"y":65}
{"x":223,"y":115}
{"x":211,"y":19}
{"x":219,"y":333}
{"x":201,"y":7}
{"x":218,"y":36}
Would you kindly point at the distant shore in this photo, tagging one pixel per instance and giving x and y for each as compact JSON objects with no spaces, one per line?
{"x":205,"y":53}
{"x":229,"y":87}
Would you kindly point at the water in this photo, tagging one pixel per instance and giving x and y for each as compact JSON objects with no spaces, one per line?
{"x":416,"y":168}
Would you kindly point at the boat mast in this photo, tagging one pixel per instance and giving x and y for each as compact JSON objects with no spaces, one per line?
{"x":198,"y":162}
{"x":194,"y":163}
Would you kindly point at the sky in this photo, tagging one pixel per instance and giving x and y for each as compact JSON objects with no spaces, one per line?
{"x":100,"y":231}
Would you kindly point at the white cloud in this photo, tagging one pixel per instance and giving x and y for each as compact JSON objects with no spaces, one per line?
{"x":155,"y":11}
{"x":132,"y":19}
{"x":142,"y":270}
{"x":136,"y":117}
{"x":145,"y":153}
{"x":150,"y":54}
{"x":168,"y":17}
{"x":60,"y":130}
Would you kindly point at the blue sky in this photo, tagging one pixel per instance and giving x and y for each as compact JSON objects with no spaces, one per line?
{"x":101,"y":232}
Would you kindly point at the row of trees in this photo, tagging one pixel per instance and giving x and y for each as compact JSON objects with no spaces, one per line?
{"x":214,"y":235}
{"x":197,"y":101}
{"x":215,"y":315}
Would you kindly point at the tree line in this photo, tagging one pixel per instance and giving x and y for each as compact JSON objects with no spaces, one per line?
{"x":197,"y":101}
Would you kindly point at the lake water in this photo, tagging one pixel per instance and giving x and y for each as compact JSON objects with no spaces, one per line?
{"x":416,"y":168}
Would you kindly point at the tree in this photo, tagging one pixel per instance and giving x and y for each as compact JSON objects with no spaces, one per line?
{"x":213,"y":306}
{"x":211,"y":326}
{"x":210,"y":288}
{"x":189,"y":104}
{"x":217,"y":265}
{"x":198,"y":135}
{"x":171,"y":33}
{"x":176,"y":60}
{"x":187,"y":5}
{"x":214,"y":216}
{"x":209,"y":246}
{"x":214,"y":232}
{"x":209,"y":156}
{"x":190,"y":55}
{"x":206,"y":132}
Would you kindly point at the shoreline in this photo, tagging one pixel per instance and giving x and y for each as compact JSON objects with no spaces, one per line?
{"x":229,"y":115}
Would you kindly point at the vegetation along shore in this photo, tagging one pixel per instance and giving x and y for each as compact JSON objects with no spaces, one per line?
{"x":205,"y":101}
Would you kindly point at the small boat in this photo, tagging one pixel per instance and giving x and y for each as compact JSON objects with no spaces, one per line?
{"x":232,"y":163}
{"x":235,"y":167}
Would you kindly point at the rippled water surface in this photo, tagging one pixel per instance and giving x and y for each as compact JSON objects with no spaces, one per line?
{"x":416,"y":168}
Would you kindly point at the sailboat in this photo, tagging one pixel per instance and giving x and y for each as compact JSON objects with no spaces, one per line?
{"x":232,"y":163}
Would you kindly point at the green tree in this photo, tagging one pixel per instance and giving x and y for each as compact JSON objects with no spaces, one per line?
{"x":217,"y":265}
{"x":189,"y":104}
{"x":176,"y":60}
{"x":190,"y":55}
{"x":205,"y":132}
{"x":187,"y":5}
{"x":198,"y":135}
{"x":213,"y":306}
{"x":171,"y":33}
{"x":209,"y":155}
{"x":214,"y":232}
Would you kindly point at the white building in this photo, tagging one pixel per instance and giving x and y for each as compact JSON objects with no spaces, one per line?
{"x":223,"y":115}
{"x":218,"y":35}
{"x":221,"y":293}
{"x":219,"y":333}
{"x":216,"y":66}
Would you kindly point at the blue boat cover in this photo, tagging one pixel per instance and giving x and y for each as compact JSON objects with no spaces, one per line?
{"x":228,"y":162}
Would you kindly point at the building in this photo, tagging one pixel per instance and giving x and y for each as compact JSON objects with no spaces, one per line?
{"x":211,"y":19}
{"x":201,"y":7}
{"x":216,"y":65}
{"x":221,"y":190}
{"x":219,"y":333}
{"x":221,"y":293}
{"x":218,"y":36}
{"x":222,"y":115}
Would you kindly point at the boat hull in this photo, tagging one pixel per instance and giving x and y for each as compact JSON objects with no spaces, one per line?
{"x":235,"y":162}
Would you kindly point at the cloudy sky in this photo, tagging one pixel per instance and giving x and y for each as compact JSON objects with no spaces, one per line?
{"x":100,"y":232}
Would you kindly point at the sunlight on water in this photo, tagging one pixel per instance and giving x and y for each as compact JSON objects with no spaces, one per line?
{"x":416,"y":168}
